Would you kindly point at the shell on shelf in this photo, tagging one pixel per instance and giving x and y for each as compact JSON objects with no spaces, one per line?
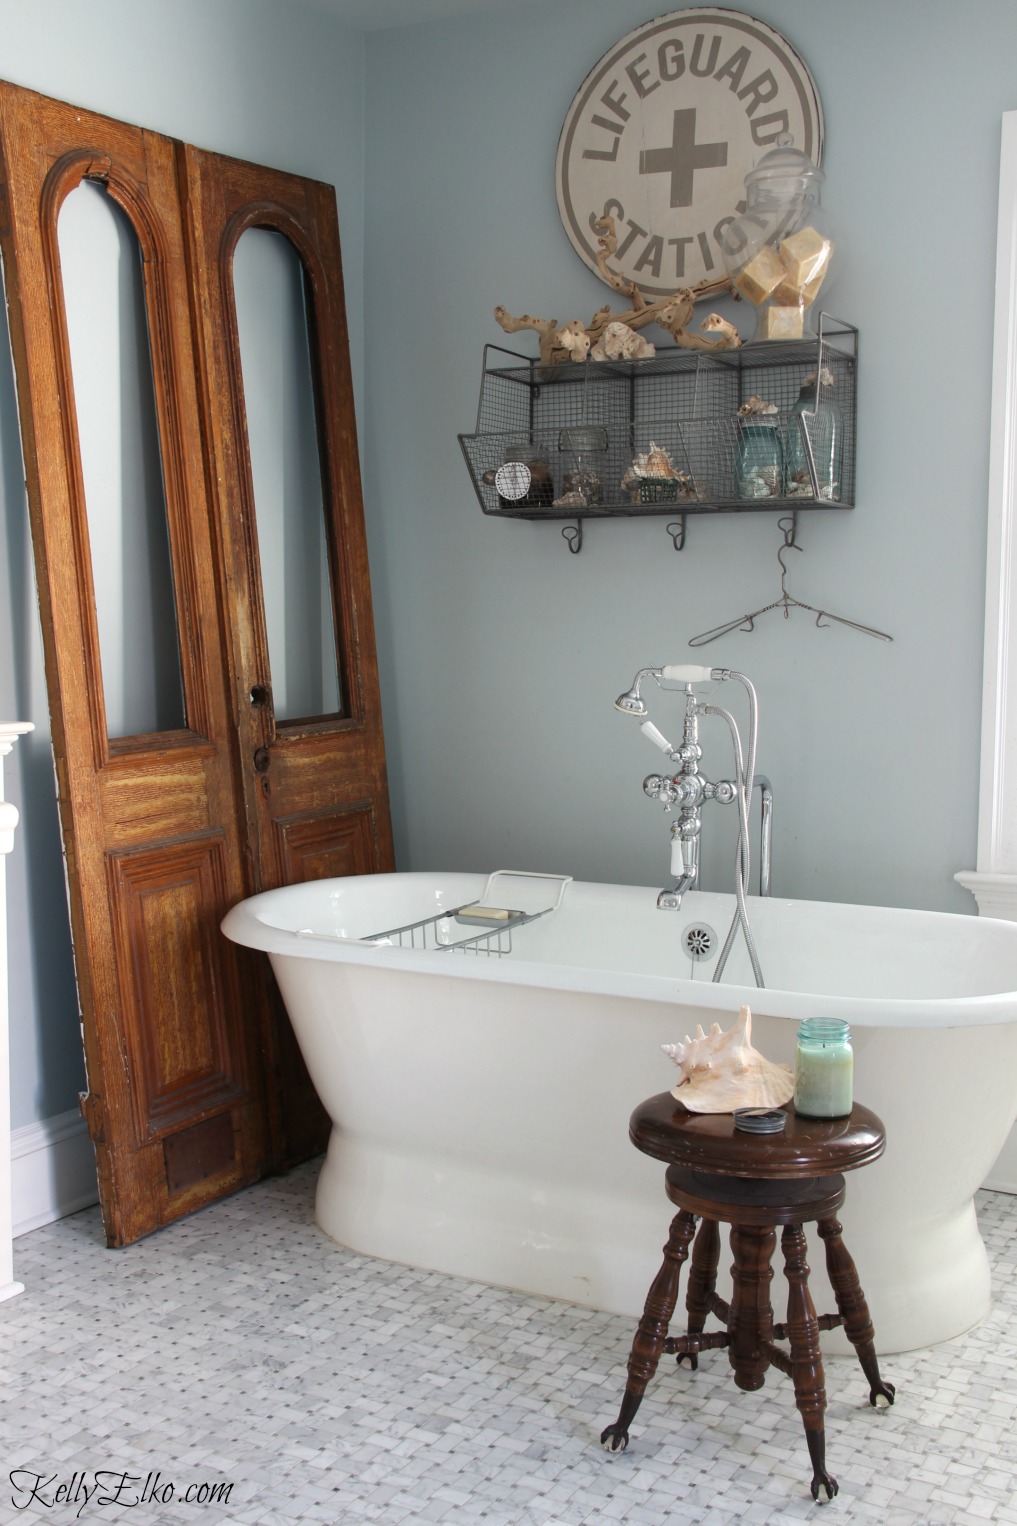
{"x":619,"y":342}
{"x":756,"y":404}
{"x":722,"y":1071}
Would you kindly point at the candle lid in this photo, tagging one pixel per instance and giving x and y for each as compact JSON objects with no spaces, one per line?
{"x":759,"y":1120}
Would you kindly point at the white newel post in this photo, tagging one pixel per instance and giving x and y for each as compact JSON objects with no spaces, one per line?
{"x":9,"y":733}
{"x":993,"y":882}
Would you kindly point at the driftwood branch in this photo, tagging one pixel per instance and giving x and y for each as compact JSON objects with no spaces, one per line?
{"x":673,"y":313}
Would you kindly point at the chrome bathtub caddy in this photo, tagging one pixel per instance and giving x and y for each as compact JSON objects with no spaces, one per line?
{"x":490,"y":924}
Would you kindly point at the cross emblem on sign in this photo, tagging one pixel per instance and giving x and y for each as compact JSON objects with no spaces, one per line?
{"x":683,"y":158}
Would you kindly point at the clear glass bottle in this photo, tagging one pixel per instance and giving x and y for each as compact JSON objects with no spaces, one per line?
{"x":780,"y":252}
{"x":815,"y":441}
{"x":583,"y":450}
{"x":759,"y":468}
{"x":824,"y":1068}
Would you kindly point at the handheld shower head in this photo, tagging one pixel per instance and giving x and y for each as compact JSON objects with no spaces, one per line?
{"x":632,"y":702}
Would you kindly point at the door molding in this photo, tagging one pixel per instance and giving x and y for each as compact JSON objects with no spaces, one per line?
{"x":993,"y":882}
{"x":9,"y":734}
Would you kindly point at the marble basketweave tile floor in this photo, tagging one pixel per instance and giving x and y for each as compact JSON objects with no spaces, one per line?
{"x":242,"y":1348}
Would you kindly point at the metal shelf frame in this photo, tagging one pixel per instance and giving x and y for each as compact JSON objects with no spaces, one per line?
{"x":685,"y":401}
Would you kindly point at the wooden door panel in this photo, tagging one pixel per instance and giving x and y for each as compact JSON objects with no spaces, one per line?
{"x":123,"y":800}
{"x":306,"y":767}
{"x":315,"y":789}
{"x":320,"y":845}
{"x":182,"y":1052}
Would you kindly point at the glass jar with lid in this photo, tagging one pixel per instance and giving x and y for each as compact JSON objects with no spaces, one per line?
{"x":824,"y":1068}
{"x":781,"y":251}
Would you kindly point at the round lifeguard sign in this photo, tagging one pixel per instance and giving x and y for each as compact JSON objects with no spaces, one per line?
{"x":663,"y":132}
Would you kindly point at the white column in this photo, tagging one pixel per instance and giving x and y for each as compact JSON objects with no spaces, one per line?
{"x":9,"y":733}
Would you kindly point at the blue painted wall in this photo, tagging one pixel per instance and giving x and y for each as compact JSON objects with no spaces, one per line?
{"x":502,"y":653}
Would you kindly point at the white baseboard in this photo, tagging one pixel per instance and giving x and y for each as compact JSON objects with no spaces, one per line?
{"x":52,"y":1171}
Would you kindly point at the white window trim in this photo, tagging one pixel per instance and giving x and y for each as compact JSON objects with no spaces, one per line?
{"x":993,"y":882}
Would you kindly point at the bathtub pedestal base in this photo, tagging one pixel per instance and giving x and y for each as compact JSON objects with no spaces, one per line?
{"x":754,"y":1207}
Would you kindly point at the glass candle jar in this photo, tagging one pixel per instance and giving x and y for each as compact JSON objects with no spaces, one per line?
{"x":824,"y":1068}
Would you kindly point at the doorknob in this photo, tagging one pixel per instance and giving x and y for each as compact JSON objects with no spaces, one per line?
{"x":261,"y":760}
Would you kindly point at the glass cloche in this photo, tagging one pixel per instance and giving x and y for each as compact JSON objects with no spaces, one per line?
{"x":780,"y":252}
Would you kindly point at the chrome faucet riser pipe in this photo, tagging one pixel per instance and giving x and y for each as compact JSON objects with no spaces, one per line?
{"x":689,"y":788}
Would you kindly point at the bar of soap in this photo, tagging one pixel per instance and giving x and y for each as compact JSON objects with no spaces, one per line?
{"x":757,"y":279}
{"x":781,"y":323}
{"x":789,"y":295}
{"x":485,"y":913}
{"x":805,"y":256}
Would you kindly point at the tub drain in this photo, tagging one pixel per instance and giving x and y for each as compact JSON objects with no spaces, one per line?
{"x":699,"y":940}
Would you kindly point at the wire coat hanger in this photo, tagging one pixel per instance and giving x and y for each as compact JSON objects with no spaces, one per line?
{"x":786,"y":602}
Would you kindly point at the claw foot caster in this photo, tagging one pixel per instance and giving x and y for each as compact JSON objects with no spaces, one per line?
{"x":614,"y":1439}
{"x":823,"y":1482}
{"x":882,"y":1395}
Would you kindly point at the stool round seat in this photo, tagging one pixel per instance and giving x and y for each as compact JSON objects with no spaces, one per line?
{"x":754,"y":1182}
{"x":665,"y":1129}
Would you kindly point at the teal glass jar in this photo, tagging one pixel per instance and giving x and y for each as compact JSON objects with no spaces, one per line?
{"x":824,"y":1068}
{"x":759,"y":467}
{"x":814,"y":453}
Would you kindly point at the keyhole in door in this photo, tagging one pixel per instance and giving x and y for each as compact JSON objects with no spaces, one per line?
{"x":261,"y":761}
{"x":260,"y":695}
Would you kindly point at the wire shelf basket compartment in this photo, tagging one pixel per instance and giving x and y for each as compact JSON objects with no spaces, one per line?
{"x":579,"y":427}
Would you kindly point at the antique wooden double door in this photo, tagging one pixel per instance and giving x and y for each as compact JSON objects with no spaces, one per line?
{"x":194,"y":1083}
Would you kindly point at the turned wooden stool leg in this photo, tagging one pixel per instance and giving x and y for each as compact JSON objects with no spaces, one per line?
{"x":702,"y":1283}
{"x":750,"y":1318}
{"x":652,"y":1331}
{"x":806,"y":1358}
{"x":854,"y":1311}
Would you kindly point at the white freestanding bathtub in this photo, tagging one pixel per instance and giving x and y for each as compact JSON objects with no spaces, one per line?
{"x":480,"y":1104}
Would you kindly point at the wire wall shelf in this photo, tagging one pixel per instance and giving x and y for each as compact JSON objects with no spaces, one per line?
{"x":589,"y":440}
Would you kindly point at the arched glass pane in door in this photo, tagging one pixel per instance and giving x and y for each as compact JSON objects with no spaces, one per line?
{"x":272,"y":321}
{"x":118,"y":438}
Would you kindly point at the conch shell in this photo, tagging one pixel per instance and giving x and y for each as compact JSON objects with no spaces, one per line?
{"x":722,"y":1071}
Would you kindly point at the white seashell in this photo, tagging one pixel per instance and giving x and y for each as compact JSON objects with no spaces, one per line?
{"x":722,"y":1071}
{"x":619,"y":342}
{"x":756,"y":404}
